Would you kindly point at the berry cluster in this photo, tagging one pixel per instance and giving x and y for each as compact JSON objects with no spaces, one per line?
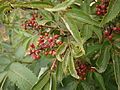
{"x":101,"y":9}
{"x":32,"y":23}
{"x":108,"y":33}
{"x":46,"y":45}
{"x":82,"y":69}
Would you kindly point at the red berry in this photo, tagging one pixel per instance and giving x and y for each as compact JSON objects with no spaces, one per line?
{"x":37,"y":57}
{"x":53,"y":53}
{"x":50,"y":52}
{"x":106,"y":33}
{"x":46,"y":34}
{"x":102,"y":6}
{"x":110,"y":37}
{"x":98,"y":13}
{"x":32,"y":45}
{"x":37,"y":51}
{"x":97,"y":6}
{"x":46,"y":53}
{"x":56,"y":36}
{"x":115,"y":28}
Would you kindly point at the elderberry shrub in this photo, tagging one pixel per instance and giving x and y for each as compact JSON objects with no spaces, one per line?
{"x":101,"y":9}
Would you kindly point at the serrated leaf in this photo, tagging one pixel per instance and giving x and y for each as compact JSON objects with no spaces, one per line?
{"x":32,"y":4}
{"x":72,"y":68}
{"x":61,"y":49}
{"x":79,"y":15}
{"x":103,"y":60}
{"x":42,"y":81}
{"x":112,"y":12}
{"x":100,"y":80}
{"x":61,"y":6}
{"x":21,"y":76}
{"x":116,"y":65}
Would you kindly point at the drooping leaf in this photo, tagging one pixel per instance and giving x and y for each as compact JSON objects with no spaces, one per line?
{"x":66,"y":61}
{"x":61,"y":6}
{"x":99,"y":78}
{"x":21,"y":76}
{"x":116,"y":65}
{"x":59,"y":72}
{"x":42,"y":81}
{"x":54,"y":82}
{"x":72,"y":67}
{"x":103,"y":60}
{"x":72,"y":27}
{"x":112,"y":12}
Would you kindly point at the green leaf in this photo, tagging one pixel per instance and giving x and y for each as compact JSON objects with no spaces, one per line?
{"x":47,"y":86}
{"x":42,"y":81}
{"x":85,"y":85}
{"x":112,"y":12}
{"x":66,"y":61}
{"x":2,"y":76}
{"x":61,"y":49}
{"x":72,"y":67}
{"x":32,"y":4}
{"x":20,"y":52}
{"x":86,"y":32}
{"x":116,"y":65}
{"x":21,"y":76}
{"x":103,"y":60}
{"x":54,"y":82}
{"x":98,"y":32}
{"x":92,"y":49}
{"x":72,"y":27}
{"x":61,"y":6}
{"x":79,"y":15}
{"x":99,"y":78}
{"x":59,"y":72}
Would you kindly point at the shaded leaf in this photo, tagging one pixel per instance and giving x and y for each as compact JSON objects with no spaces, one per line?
{"x":100,"y":80}
{"x":116,"y":65}
{"x":103,"y":60}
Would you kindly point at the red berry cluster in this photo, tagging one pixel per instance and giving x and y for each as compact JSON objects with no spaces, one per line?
{"x":108,"y":33}
{"x":32,"y":23}
{"x":46,"y":45}
{"x":101,"y":9}
{"x":82,"y":69}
